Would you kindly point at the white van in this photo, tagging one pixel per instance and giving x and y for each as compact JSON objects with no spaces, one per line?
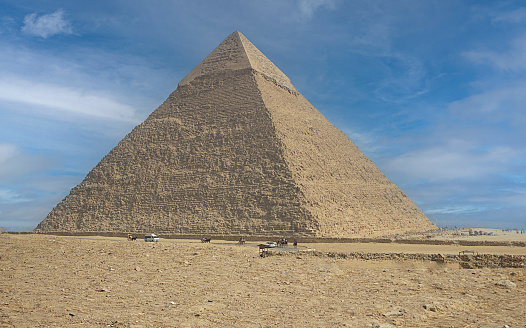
{"x":151,"y":237}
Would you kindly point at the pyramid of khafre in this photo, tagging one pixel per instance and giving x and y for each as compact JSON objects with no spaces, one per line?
{"x":237,"y":150}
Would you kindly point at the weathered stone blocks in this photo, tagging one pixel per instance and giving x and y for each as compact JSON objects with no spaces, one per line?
{"x":237,"y":150}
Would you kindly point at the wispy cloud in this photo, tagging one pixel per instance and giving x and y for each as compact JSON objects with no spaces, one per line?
{"x":47,"y":25}
{"x":455,"y":160}
{"x":8,"y":196}
{"x":7,"y":151}
{"x":405,"y":77}
{"x":507,"y":197}
{"x":82,"y":82}
{"x":511,"y":59}
{"x":57,"y":100}
{"x":501,"y":105}
{"x":15,"y":163}
{"x":461,"y":209}
{"x":515,"y":16}
{"x":7,"y":24}
{"x":308,"y":7}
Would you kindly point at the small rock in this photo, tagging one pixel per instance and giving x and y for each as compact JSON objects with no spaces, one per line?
{"x":393,"y":313}
{"x":382,"y":325}
{"x":137,"y":268}
{"x":506,"y":284}
{"x":430,"y":307}
{"x":72,"y":314}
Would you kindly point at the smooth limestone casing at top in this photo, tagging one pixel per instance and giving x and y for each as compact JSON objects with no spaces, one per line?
{"x":237,"y":150}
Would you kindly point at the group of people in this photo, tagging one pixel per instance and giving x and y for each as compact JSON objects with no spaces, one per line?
{"x":283,"y":241}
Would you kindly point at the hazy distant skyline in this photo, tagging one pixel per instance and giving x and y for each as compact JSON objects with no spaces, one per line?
{"x":431,"y":91}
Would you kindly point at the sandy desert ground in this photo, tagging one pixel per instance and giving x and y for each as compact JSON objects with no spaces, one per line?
{"x":51,"y":281}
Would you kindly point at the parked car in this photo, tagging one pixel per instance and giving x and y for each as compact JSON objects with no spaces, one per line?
{"x":271,"y":244}
{"x":151,"y":237}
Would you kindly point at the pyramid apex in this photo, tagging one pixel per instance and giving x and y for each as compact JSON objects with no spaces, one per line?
{"x":236,"y":52}
{"x":238,"y":34}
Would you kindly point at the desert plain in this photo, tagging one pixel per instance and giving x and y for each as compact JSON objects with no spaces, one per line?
{"x":59,"y":281}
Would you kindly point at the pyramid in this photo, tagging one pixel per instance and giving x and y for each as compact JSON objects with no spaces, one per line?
{"x":237,"y":150}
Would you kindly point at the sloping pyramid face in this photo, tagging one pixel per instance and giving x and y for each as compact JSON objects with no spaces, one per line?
{"x":236,"y":150}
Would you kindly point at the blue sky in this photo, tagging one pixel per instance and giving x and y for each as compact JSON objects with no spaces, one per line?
{"x":434,"y":92}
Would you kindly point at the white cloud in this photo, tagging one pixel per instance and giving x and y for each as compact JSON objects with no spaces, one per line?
{"x":492,"y":100}
{"x":460,"y":209}
{"x":507,"y":196}
{"x":7,"y":151}
{"x":515,"y":16}
{"x":367,"y":141}
{"x":481,"y":137}
{"x":7,"y":24}
{"x":15,"y":162}
{"x":500,"y":109}
{"x":8,"y":196}
{"x":57,"y":100}
{"x":454,"y":160}
{"x":26,"y":217}
{"x":308,"y":7}
{"x":406,"y":77}
{"x":97,"y":84}
{"x":512,"y":59}
{"x":47,"y":25}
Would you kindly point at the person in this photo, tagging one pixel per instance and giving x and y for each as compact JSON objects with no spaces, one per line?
{"x":295,"y":243}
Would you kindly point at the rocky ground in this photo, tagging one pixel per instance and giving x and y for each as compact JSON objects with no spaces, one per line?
{"x":51,"y":281}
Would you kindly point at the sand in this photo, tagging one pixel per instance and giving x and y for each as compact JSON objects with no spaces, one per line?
{"x":51,"y":281}
{"x":408,"y":248}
